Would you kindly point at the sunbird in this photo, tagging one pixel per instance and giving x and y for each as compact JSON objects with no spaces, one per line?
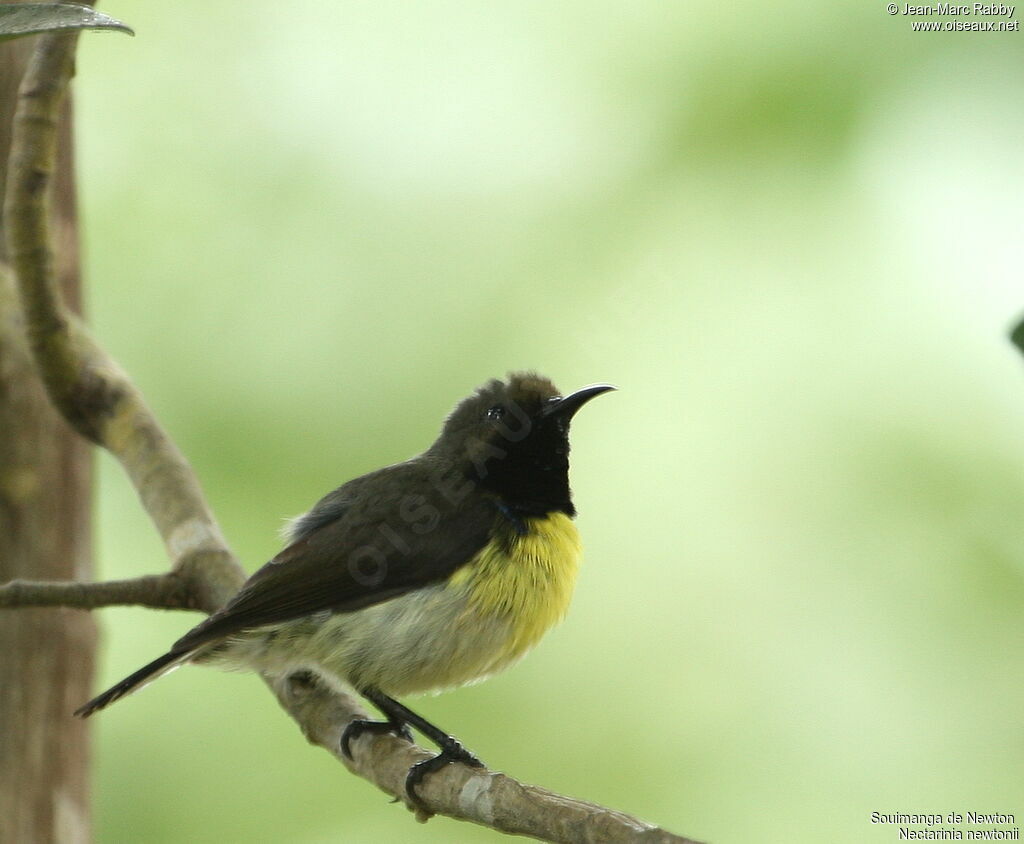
{"x":421,"y":576}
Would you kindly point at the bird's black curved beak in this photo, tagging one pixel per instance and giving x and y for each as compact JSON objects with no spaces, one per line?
{"x":566,"y":406}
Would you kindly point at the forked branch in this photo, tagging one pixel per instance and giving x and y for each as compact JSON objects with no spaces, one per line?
{"x":102,"y":404}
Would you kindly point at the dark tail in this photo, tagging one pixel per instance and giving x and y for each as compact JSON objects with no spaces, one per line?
{"x":157,"y":668}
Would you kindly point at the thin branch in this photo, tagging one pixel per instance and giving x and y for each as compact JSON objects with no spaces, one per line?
{"x":478,"y":795}
{"x":89,"y":389}
{"x":159,"y":591}
{"x":99,"y":400}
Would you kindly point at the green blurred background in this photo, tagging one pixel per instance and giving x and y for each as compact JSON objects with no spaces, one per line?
{"x":790,"y":232}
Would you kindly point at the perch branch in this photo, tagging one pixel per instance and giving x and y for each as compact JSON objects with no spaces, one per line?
{"x":478,"y":795}
{"x":100,"y":401}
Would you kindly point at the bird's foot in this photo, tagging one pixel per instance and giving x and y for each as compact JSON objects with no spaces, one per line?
{"x":354,"y":729}
{"x":451,"y":751}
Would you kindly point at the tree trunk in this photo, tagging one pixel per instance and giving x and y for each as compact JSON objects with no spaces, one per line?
{"x":46,"y":655}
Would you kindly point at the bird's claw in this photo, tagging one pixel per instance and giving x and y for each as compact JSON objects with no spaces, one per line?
{"x":450,"y":752}
{"x":354,"y":729}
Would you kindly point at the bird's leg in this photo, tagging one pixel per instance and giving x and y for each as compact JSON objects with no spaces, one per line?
{"x":394,"y":725}
{"x":451,"y":748}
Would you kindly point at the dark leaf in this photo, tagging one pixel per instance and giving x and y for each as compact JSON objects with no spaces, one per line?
{"x":1017,"y":336}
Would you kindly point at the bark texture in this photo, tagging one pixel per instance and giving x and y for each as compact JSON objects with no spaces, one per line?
{"x":46,"y":655}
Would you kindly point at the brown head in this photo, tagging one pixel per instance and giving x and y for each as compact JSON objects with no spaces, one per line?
{"x":512,"y":438}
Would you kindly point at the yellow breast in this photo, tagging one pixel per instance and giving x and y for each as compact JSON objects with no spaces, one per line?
{"x":527,"y":580}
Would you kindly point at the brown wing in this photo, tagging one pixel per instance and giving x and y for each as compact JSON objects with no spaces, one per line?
{"x":386,"y":540}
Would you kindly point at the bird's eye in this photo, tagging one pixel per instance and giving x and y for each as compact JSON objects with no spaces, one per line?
{"x":494,"y":413}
